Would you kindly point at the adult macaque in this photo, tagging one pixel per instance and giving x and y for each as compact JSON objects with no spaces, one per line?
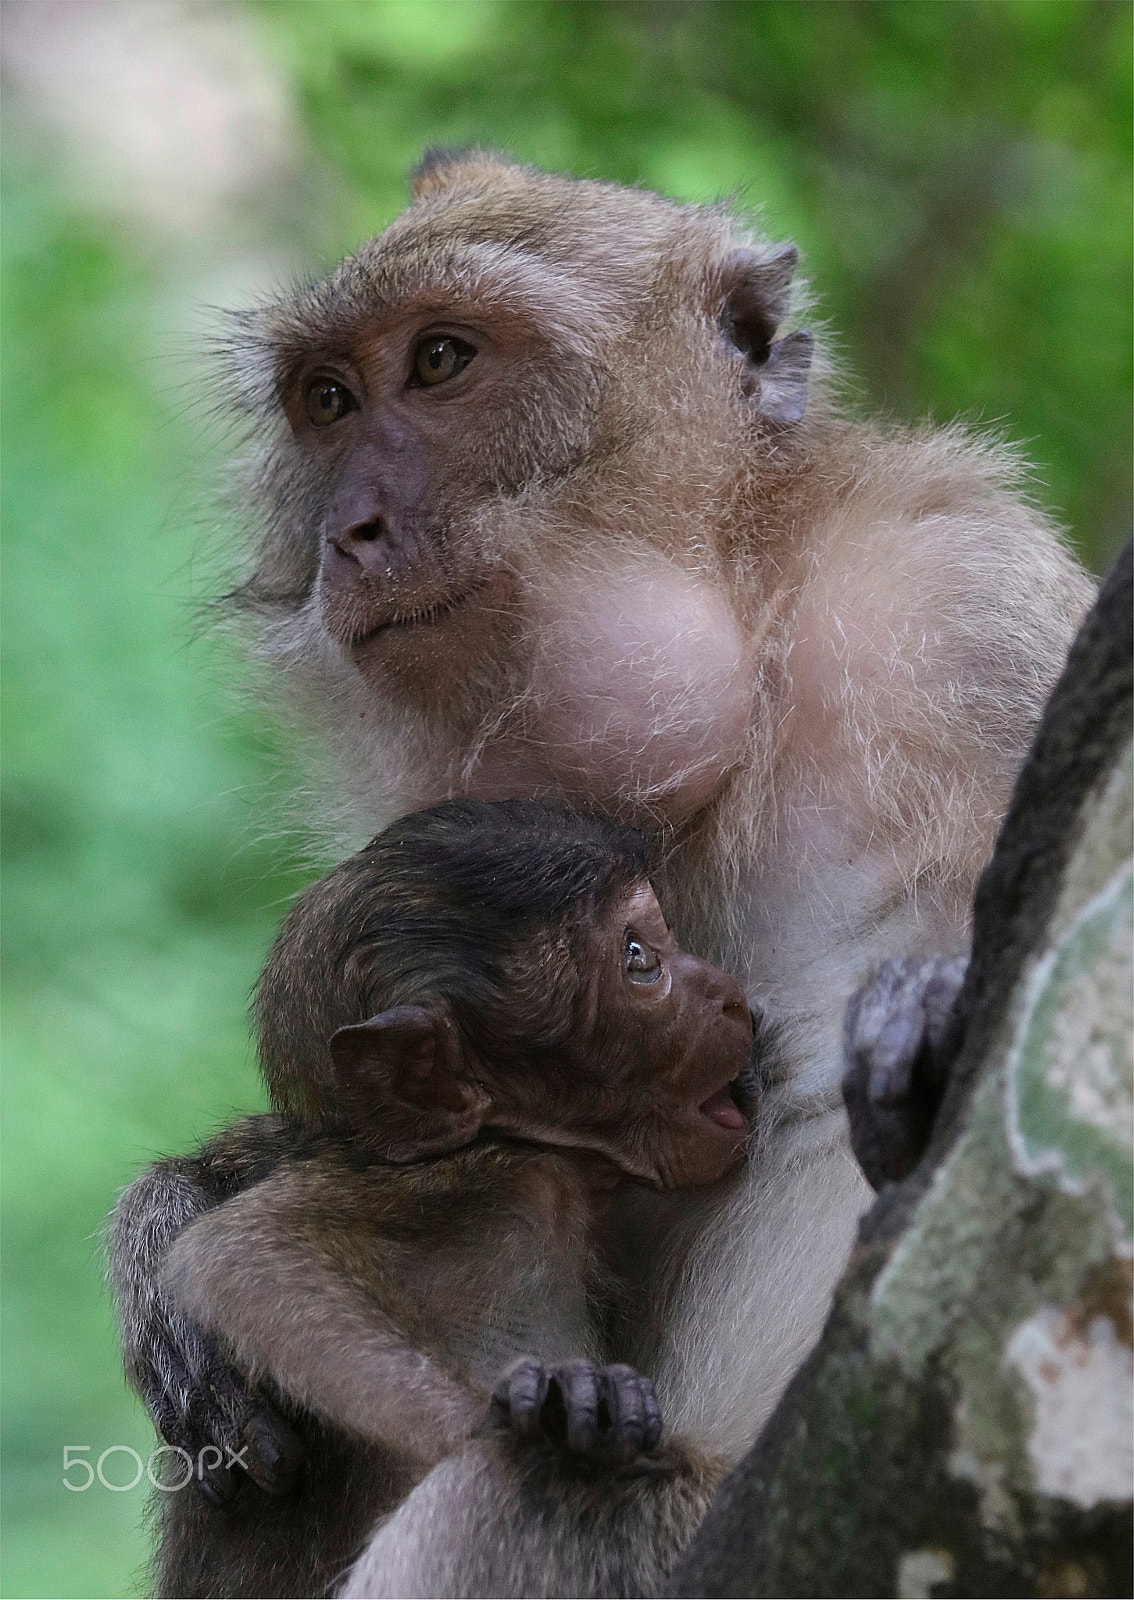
{"x":552,"y":504}
{"x":504,"y":1033}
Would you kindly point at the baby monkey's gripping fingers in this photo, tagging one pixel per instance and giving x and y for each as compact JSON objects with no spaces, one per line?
{"x":605,"y":1414}
{"x":200,"y":1405}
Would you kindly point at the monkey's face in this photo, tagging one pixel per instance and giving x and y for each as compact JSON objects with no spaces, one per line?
{"x":501,"y":510}
{"x":672,"y":1034}
{"x":418,"y":413}
{"x":649,"y":1071}
{"x":628,"y":1048}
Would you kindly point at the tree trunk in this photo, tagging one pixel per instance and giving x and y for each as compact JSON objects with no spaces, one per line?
{"x":964,"y":1426}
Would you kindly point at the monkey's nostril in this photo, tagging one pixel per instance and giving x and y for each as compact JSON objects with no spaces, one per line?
{"x":366,"y":531}
{"x":365,"y":545}
{"x":738,"y":1011}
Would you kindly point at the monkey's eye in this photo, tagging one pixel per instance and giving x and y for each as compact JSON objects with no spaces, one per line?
{"x":325,"y":401}
{"x":439,"y":358}
{"x":640,"y":960}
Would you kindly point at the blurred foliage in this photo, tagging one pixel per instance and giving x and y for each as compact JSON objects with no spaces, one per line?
{"x":958,"y":176}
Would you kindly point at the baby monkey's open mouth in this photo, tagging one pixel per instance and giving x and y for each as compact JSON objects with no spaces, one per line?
{"x":733,"y":1106}
{"x":729,"y":1107}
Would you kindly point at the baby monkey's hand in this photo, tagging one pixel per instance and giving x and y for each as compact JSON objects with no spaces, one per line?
{"x":607,"y":1414}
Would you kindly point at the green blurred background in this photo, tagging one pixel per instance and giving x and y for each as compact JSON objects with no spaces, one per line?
{"x":958,"y":175}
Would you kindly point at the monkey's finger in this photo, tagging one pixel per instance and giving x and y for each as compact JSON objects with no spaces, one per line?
{"x":622,"y":1409}
{"x":578,"y":1385}
{"x":273,"y":1452}
{"x":216,"y":1483}
{"x":942,"y":1022}
{"x":212,"y":1479}
{"x":654,"y":1424}
{"x":218,"y":1409}
{"x":167,"y":1416}
{"x":529,"y":1388}
{"x":883,"y":1030}
{"x":520,"y":1395}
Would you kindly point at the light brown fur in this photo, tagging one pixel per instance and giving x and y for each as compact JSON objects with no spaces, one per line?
{"x":858,"y":628}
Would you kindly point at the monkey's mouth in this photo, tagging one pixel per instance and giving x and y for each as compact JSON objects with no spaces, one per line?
{"x":419,"y":616}
{"x":729,"y":1107}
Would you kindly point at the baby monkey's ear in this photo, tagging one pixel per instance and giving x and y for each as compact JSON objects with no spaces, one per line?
{"x":402,"y":1085}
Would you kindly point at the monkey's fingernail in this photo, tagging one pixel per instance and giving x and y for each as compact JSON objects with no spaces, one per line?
{"x":274,"y":1453}
{"x":216,"y":1485}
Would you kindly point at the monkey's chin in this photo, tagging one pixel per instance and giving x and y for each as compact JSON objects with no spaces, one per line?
{"x":712,"y":1144}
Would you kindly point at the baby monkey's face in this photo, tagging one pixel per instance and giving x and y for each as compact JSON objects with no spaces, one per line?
{"x":645,"y":1071}
{"x":666,"y":1037}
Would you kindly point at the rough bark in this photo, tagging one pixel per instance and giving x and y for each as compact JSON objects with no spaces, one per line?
{"x":964,"y":1425}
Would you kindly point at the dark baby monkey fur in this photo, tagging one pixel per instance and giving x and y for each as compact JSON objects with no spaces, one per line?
{"x":499,"y":1031}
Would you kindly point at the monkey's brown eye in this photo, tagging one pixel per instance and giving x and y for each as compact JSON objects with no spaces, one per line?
{"x":640,"y":960}
{"x":439,"y":358}
{"x":325,"y":401}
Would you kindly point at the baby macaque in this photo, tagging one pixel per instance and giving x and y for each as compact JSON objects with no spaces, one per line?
{"x":503,"y":1033}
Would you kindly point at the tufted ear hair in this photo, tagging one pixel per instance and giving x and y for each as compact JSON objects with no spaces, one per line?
{"x":401,"y":1085}
{"x":756,"y":298}
{"x":443,"y":166}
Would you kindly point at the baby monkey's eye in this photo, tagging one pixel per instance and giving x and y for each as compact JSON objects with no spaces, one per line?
{"x":325,"y":401}
{"x":640,"y":960}
{"x":439,"y":358}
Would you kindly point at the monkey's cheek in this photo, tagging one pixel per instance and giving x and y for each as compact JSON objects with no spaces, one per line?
{"x":713,"y":1162}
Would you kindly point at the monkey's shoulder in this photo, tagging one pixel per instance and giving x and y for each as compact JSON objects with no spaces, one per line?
{"x":246,"y":1152}
{"x":328,"y":1182}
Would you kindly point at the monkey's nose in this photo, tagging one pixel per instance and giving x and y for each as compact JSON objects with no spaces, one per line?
{"x":363,"y":546}
{"x":361,"y":541}
{"x":733,"y":1003}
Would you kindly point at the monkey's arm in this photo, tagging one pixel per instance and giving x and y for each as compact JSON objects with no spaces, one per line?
{"x":900,"y":1036}
{"x":198,"y":1402}
{"x":282,"y":1280}
{"x":514,"y":1516}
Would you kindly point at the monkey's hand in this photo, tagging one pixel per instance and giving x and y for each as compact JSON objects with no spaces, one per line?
{"x":199,"y":1403}
{"x":608,"y":1414}
{"x":899,"y":1037}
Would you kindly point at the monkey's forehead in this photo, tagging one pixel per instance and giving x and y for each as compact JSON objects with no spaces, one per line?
{"x":492,"y":233}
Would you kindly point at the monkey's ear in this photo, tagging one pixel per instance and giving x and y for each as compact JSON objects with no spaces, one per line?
{"x":757,"y":297}
{"x":401,"y":1085}
{"x":441,"y":166}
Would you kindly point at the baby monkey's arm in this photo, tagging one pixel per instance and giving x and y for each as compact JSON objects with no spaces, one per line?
{"x":198,"y":1401}
{"x":293,"y":1278}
